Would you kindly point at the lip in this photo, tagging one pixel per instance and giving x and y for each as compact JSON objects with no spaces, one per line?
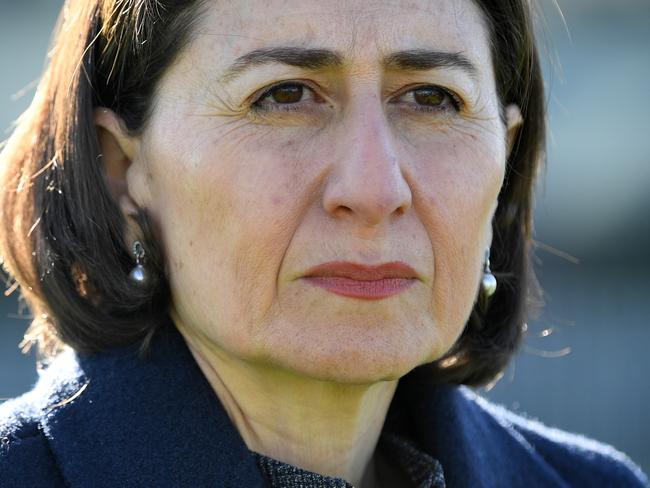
{"x":362,"y":281}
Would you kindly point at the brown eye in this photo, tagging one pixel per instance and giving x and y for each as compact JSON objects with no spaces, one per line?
{"x":431,"y":99}
{"x":288,"y":97}
{"x":287,"y":93}
{"x":429,"y":96}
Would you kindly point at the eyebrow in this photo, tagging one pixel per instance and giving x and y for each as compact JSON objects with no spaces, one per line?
{"x":425,"y":59}
{"x":312,"y":59}
{"x":320,"y":59}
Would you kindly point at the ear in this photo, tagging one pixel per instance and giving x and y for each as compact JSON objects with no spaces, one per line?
{"x":118,"y":150}
{"x":514,"y":120}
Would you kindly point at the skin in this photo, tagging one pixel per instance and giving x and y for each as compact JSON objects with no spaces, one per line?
{"x":247,"y":201}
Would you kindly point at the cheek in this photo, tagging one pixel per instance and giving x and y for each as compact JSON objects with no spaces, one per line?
{"x":226,"y":213}
{"x":458,"y":187}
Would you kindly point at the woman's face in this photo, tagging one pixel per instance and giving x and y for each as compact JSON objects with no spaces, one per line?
{"x":380,"y":142}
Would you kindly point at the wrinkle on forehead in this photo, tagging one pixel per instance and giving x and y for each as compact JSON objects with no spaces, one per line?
{"x":351,"y":26}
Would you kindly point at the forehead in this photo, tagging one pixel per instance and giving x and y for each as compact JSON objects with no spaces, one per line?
{"x":360,"y":29}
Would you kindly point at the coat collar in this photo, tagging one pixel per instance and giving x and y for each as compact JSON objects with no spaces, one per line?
{"x":115,"y":419}
{"x":154,"y":422}
{"x":477,"y":443}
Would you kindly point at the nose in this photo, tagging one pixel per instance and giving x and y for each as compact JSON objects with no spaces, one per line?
{"x":367,"y":183}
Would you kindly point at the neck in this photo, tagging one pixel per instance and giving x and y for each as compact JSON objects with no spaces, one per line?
{"x":321,"y":426}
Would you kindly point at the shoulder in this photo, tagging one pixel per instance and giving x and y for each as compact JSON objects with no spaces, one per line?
{"x":25,"y":458}
{"x":578,"y":460}
{"x":118,"y":419}
{"x":25,"y":455}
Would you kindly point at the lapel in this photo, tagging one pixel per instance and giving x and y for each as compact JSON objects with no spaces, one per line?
{"x":474,"y":440}
{"x":115,"y":419}
{"x":144,"y":423}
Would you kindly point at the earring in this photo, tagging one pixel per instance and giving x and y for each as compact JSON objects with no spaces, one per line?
{"x":489,"y":281}
{"x":139,"y":274}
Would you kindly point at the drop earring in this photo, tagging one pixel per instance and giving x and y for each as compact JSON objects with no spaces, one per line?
{"x":139,"y":274}
{"x":489,"y":281}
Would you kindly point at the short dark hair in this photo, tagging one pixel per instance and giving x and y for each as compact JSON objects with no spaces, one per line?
{"x":62,"y":233}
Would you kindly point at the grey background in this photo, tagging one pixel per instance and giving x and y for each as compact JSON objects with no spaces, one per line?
{"x":584,"y":365}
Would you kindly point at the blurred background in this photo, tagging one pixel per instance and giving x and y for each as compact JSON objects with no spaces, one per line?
{"x":584,"y":366}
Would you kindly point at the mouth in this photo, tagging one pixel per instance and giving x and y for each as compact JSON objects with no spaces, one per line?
{"x":361,"y":281}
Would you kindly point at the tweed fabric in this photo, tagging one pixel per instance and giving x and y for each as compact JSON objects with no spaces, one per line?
{"x":422,"y":470}
{"x":283,"y":475}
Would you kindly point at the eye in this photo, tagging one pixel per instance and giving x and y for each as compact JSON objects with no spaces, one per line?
{"x":287,"y":93}
{"x":431,"y":99}
{"x":285,"y":97}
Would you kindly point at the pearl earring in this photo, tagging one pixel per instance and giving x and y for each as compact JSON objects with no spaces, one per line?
{"x":489,"y":281}
{"x":139,"y":274}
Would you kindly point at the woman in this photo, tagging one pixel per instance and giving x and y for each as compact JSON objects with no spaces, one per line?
{"x":265,"y":242}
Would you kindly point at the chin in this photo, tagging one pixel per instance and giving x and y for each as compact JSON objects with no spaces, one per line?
{"x":346,"y":354}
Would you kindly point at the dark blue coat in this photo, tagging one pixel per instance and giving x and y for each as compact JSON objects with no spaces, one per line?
{"x":115,"y":420}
